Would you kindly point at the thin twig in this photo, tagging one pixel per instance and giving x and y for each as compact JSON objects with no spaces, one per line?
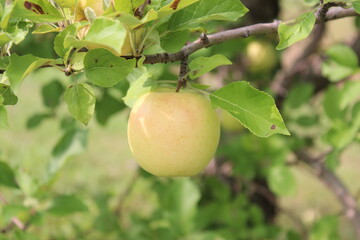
{"x":139,"y":12}
{"x":243,"y":32}
{"x":184,"y":69}
{"x":216,"y":38}
{"x":335,"y":185}
{"x":125,"y":194}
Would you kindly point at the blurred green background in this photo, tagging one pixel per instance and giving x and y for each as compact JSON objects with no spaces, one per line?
{"x":250,"y":191}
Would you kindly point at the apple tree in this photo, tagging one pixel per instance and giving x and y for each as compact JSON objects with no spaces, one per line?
{"x":286,"y":100}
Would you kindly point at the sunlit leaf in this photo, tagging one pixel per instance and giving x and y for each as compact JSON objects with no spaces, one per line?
{"x":296,"y":30}
{"x":281,"y":180}
{"x":342,"y":63}
{"x":105,"y":69}
{"x":204,"y":10}
{"x":140,"y":83}
{"x":64,"y":205}
{"x":21,"y":66}
{"x":80,"y":99}
{"x":9,"y":98}
{"x":73,"y":142}
{"x":255,"y":109}
{"x":202,"y":65}
{"x":7,"y":176}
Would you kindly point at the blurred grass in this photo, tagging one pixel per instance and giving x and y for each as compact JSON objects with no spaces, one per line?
{"x":107,"y":158}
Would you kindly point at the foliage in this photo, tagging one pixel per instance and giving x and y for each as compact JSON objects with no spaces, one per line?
{"x":102,"y":51}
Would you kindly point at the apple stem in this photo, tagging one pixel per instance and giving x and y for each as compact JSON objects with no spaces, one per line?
{"x":184,"y":69}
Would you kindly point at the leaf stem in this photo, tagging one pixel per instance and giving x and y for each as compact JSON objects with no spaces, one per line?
{"x":147,"y":34}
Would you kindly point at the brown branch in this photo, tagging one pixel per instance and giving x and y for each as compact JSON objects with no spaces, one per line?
{"x":284,"y":78}
{"x":323,"y":10}
{"x":139,"y":12}
{"x":243,"y":32}
{"x":216,"y":38}
{"x":335,"y":185}
{"x":184,"y":69}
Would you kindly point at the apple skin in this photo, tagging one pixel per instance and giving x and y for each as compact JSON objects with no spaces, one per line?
{"x":261,"y":56}
{"x":229,"y":123}
{"x":173,"y":134}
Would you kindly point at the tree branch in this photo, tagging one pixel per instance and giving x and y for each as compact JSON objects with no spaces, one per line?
{"x":184,"y":69}
{"x":335,"y":185}
{"x":216,"y":38}
{"x":243,"y":32}
{"x":139,"y":12}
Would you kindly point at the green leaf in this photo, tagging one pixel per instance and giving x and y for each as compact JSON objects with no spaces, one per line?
{"x":3,"y":118}
{"x":51,"y":93}
{"x":349,"y":93}
{"x":202,"y":65}
{"x":105,"y":69}
{"x":65,"y":205}
{"x":326,"y":228}
{"x":173,"y":41}
{"x":199,"y":86}
{"x":7,"y":176}
{"x":342,"y":63}
{"x":140,"y":83}
{"x":80,"y":99}
{"x":128,"y":6}
{"x":15,"y":32}
{"x":66,"y":3}
{"x":37,"y":11}
{"x":45,"y":28}
{"x":331,"y":103}
{"x":21,"y":66}
{"x":299,"y":95}
{"x":77,"y":61}
{"x":179,"y":199}
{"x":36,"y":120}
{"x":356,"y":6}
{"x":6,"y":15}
{"x":255,"y":109}
{"x":4,"y":62}
{"x":282,"y":181}
{"x":174,"y":6}
{"x":342,"y":134}
{"x":132,"y":22}
{"x":73,"y":142}
{"x":11,"y":210}
{"x":8,"y":95}
{"x":4,"y":39}
{"x":296,"y":30}
{"x":107,"y":106}
{"x":332,"y":160}
{"x":59,"y":46}
{"x":103,"y":33}
{"x":29,"y":186}
{"x":205,"y":10}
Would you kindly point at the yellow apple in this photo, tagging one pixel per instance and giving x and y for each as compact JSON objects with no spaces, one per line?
{"x":261,"y":56}
{"x":173,"y":134}
{"x":229,"y":123}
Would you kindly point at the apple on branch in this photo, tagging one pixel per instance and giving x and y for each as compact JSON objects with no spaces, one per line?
{"x":173,"y":134}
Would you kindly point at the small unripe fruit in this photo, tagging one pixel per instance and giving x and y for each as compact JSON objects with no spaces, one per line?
{"x":173,"y":134}
{"x":261,"y":56}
